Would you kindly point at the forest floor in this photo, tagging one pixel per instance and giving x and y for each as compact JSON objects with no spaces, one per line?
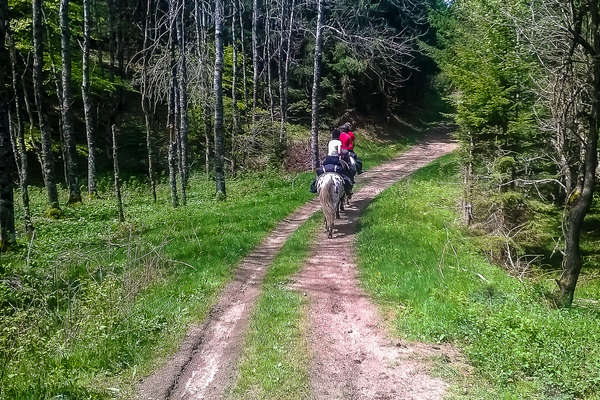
{"x":351,"y":355}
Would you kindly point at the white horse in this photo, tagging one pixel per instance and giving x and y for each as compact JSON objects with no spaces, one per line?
{"x":331,"y":195}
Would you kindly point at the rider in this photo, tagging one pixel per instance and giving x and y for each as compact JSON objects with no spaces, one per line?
{"x":347,"y":140}
{"x":336,"y":162}
{"x":335,"y":145}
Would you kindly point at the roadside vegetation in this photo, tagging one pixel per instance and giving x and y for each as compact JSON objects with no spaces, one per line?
{"x":423,"y":267}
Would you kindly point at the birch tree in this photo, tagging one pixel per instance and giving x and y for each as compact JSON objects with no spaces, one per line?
{"x":85,"y":95}
{"x":145,"y":99}
{"x":218,"y":94}
{"x":38,"y":94}
{"x":65,"y":40}
{"x":183,"y":104}
{"x":235,"y":117}
{"x":315,"y":88}
{"x":172,"y":104}
{"x":19,"y":149}
{"x":254,"y":59}
{"x":7,"y":215}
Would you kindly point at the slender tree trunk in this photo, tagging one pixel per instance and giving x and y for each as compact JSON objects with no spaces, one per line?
{"x":284,"y":95}
{"x":111,"y":38}
{"x":206,"y":98}
{"x":115,"y":155}
{"x":28,"y":109}
{"x":172,"y":151}
{"x":38,"y":90}
{"x":467,"y":182}
{"x":145,"y":102}
{"x":268,"y":60}
{"x":59,"y":96}
{"x":280,"y":73}
{"x":119,"y":47}
{"x":218,"y":93}
{"x":254,"y":59}
{"x":21,"y":153}
{"x":243,"y":58}
{"x":315,"y":88}
{"x":85,"y":95}
{"x":183,"y":106}
{"x":578,"y":203}
{"x":201,"y":47}
{"x":7,"y":213}
{"x":65,"y":40}
{"x":235,"y":122}
{"x":283,"y":72}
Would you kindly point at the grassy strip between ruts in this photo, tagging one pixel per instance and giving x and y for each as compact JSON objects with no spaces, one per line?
{"x":89,"y":305}
{"x":421,"y":267}
{"x":274,"y":363}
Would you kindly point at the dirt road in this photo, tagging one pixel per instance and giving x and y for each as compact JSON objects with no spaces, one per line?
{"x":352,"y":357}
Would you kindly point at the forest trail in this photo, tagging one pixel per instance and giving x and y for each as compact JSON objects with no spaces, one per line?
{"x":352,"y":358}
{"x":361,"y":362}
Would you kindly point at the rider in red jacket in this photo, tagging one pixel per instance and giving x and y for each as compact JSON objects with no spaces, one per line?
{"x":347,"y":139}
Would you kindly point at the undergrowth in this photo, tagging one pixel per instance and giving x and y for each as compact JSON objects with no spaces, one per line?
{"x":418,"y":262}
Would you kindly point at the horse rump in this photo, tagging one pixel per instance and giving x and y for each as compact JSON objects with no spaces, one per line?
{"x":331,"y":194}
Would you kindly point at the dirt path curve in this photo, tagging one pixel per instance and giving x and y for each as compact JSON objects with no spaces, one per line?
{"x":205,"y":361}
{"x":351,"y":356}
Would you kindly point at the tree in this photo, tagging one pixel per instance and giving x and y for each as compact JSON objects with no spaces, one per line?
{"x":254,"y":59}
{"x":19,"y":149}
{"x":145,"y":99}
{"x":569,"y":54}
{"x":38,"y":94}
{"x":183,"y":104}
{"x":283,"y":64}
{"x":218,"y":93}
{"x":7,"y":215}
{"x":235,"y":126}
{"x":494,"y":107}
{"x":172,"y":115}
{"x":315,"y":87}
{"x":65,"y":41}
{"x":85,"y":95}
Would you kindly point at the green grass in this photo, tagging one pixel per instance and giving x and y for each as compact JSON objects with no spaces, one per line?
{"x":275,"y":361}
{"x":99,"y":300}
{"x":417,"y":262}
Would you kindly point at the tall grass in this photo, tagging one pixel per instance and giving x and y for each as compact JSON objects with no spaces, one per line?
{"x":417,"y":262}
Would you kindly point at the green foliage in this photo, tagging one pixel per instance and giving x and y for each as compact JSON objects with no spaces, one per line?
{"x":442,"y":289}
{"x":489,"y":73}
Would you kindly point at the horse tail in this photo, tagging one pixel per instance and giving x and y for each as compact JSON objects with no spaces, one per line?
{"x":327,"y":198}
